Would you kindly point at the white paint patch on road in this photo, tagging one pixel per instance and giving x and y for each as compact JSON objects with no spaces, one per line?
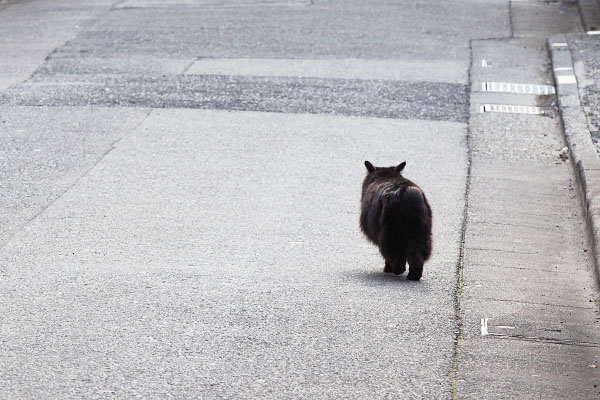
{"x":484,"y":326}
{"x":566,"y":79}
{"x":347,"y":68}
{"x":563,"y":69}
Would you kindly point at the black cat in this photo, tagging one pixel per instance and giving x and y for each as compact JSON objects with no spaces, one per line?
{"x":396,"y":216}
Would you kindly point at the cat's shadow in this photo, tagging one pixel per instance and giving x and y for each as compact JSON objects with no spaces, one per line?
{"x":379,"y":278}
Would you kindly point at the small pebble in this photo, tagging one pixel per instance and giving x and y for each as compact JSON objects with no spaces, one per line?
{"x":563,"y":154}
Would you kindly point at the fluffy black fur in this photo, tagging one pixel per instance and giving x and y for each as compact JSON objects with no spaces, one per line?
{"x":396,"y":216}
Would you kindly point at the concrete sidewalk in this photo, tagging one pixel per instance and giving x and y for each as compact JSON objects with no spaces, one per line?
{"x":529,"y":324}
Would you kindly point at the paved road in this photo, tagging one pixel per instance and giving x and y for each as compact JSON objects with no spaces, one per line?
{"x":182,"y":185}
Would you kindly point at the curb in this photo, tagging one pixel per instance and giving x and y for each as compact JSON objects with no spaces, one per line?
{"x":583,"y":155}
{"x":589,"y":10}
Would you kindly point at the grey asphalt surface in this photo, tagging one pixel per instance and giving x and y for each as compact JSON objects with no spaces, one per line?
{"x":177,"y":233}
{"x":384,"y":99}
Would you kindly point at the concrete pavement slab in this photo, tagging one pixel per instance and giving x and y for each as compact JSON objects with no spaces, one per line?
{"x":44,"y":151}
{"x":540,"y":370}
{"x":558,"y":324}
{"x":493,"y":65}
{"x":217,"y":254}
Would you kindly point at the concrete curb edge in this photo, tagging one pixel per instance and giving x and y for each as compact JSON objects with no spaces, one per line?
{"x":582,"y":152}
{"x":589,"y":10}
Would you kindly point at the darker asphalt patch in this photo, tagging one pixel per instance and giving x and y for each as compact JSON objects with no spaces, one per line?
{"x":368,"y":98}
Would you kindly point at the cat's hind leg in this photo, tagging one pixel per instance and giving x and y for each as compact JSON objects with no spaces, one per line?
{"x":395,"y":259}
{"x":400,"y":264}
{"x":415,"y":270}
{"x":388,"y":267}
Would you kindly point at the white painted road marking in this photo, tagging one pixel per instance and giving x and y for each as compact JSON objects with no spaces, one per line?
{"x":484,"y":326}
{"x":511,"y":108}
{"x":521,"y":88}
{"x":566,"y":79}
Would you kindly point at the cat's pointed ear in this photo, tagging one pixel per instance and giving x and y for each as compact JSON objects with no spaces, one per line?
{"x":369,"y":166}
{"x":400,"y":167}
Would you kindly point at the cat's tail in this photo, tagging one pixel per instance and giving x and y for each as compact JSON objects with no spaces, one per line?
{"x":417,"y":222}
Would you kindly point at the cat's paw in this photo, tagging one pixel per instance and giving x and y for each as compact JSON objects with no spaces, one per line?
{"x":415,"y":273}
{"x":399,"y":269}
